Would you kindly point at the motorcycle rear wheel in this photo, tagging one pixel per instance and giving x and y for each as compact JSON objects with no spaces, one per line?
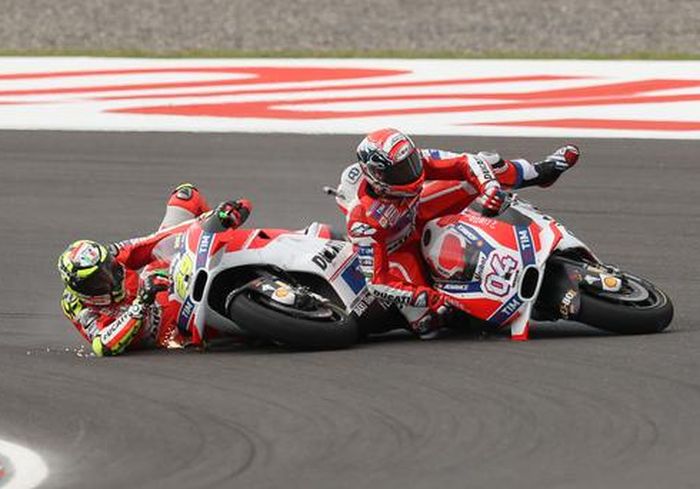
{"x":253,"y":313}
{"x":639,"y":308}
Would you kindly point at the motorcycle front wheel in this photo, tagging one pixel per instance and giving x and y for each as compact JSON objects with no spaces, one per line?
{"x":638,"y":308}
{"x":321,"y":328}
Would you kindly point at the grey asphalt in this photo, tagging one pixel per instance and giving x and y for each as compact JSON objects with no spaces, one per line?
{"x":603,"y":27}
{"x":572,"y":408}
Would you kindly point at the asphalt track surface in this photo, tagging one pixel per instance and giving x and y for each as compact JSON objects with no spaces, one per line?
{"x":573,"y":408}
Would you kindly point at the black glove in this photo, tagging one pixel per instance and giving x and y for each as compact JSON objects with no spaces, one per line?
{"x":154,"y":282}
{"x":233,"y":213}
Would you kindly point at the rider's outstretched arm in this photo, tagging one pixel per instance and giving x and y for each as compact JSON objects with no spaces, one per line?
{"x":115,"y":337}
{"x":107,"y":334}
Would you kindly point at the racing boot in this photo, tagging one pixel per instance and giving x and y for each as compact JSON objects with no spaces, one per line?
{"x":551,"y":168}
{"x":430,"y":324}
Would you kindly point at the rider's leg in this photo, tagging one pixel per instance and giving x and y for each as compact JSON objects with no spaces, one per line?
{"x":521,"y":173}
{"x":406,"y":264}
{"x":186,"y":202}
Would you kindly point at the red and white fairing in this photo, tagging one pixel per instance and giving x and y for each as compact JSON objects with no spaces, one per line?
{"x":197,"y":257}
{"x":493,"y":268}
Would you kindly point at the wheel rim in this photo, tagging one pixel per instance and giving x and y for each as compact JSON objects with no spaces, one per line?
{"x":322,"y":314}
{"x":635,"y":293}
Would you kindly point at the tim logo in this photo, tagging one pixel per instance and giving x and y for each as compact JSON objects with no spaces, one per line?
{"x":527,"y":251}
{"x":204,"y":243}
{"x":203,"y":249}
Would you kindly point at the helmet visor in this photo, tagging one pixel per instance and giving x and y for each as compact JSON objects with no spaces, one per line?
{"x":405,"y":171}
{"x":102,"y":281}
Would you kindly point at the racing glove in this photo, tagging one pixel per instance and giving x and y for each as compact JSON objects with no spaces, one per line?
{"x":551,"y":168}
{"x":492,"y":199}
{"x":233,"y":213}
{"x":154,"y":282}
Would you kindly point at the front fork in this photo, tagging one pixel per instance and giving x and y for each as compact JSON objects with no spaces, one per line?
{"x":564,"y":281}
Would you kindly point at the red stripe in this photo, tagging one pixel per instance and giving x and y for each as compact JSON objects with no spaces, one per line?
{"x":274,"y":110}
{"x":557,"y":235}
{"x":524,"y":336}
{"x":366,"y":86}
{"x":637,"y":125}
{"x":261,"y":75}
{"x":342,"y":267}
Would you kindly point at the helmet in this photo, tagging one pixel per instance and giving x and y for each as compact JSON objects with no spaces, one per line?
{"x":90,"y":271}
{"x":391,"y":163}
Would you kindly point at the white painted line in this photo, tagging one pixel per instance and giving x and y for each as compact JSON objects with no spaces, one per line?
{"x":28,"y":468}
{"x":522,"y":98}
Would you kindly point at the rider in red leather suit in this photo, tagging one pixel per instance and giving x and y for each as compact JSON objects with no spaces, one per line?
{"x":117,"y":296}
{"x":395,"y":188}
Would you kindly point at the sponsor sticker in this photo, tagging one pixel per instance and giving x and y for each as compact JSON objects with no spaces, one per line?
{"x":354,"y":277}
{"x":324,"y":258}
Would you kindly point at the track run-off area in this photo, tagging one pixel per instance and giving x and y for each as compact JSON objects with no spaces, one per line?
{"x":572,"y":408}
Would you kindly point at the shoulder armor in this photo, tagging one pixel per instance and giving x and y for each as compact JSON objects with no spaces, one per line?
{"x":350,"y":181}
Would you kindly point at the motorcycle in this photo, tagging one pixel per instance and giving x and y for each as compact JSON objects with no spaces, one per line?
{"x":305,"y":289}
{"x":523,"y":264}
{"x":299,"y":288}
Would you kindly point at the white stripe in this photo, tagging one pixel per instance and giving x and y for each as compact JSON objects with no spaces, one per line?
{"x":528,"y":169}
{"x":401,"y":269}
{"x":463,"y":185}
{"x":250,"y":239}
{"x":28,"y":468}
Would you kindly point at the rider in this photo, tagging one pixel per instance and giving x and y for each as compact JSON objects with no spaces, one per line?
{"x":395,"y":188}
{"x":116,"y":296}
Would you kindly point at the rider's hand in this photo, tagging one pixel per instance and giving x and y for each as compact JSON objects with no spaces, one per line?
{"x":492,"y":199}
{"x":153,"y":283}
{"x":233,"y":213}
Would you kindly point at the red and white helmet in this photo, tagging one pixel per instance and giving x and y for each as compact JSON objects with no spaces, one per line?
{"x":391,"y":163}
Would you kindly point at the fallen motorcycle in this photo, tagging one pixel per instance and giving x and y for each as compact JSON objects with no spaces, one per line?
{"x":523,"y":264}
{"x":299,"y":288}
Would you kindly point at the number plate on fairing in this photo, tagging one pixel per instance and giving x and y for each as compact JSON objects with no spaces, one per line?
{"x":479,"y":262}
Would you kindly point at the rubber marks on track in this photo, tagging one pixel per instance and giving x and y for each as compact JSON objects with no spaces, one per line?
{"x":25,"y":469}
{"x":468,"y":97}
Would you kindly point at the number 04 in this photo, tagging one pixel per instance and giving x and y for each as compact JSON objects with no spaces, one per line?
{"x":499,"y":281}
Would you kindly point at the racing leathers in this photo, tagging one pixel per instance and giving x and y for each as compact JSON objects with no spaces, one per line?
{"x":145,"y":316}
{"x":387,"y":231}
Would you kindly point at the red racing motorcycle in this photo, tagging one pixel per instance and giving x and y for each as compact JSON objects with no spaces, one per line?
{"x":523,"y":264}
{"x":298,"y":288}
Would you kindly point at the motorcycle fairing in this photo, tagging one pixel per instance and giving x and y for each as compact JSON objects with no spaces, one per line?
{"x":203,"y":255}
{"x":512,"y":249}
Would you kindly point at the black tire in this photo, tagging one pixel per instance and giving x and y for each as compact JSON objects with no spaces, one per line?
{"x":605,"y":311}
{"x":252,"y":315}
